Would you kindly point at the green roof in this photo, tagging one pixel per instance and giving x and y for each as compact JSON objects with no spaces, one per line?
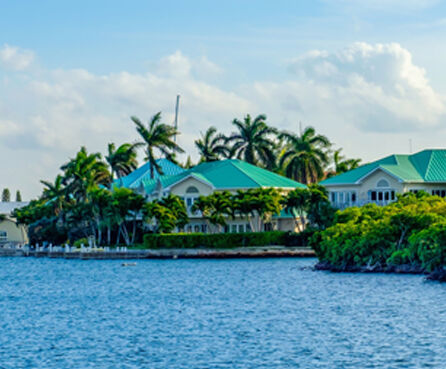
{"x":424,"y":166}
{"x":134,"y":179}
{"x":227,"y":174}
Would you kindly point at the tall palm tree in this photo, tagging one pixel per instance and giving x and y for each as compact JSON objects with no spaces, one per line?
{"x":305,"y":156}
{"x":342,"y":165}
{"x":159,"y":136}
{"x":55,"y":193}
{"x":122,"y":160}
{"x":212,"y":145}
{"x":253,"y":142}
{"x":84,"y":172}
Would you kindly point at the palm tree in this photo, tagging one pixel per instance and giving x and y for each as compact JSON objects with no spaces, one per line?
{"x":342,"y":165}
{"x":215,"y":208}
{"x":84,"y":172}
{"x":305,"y":156}
{"x":55,"y":193}
{"x":212,"y":146}
{"x":122,"y":160}
{"x":159,"y":136}
{"x":253,"y":142}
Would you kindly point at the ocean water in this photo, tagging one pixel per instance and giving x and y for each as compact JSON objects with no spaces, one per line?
{"x":265,"y":313}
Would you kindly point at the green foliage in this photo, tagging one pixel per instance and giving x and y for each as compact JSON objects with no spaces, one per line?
{"x":6,"y":195}
{"x":81,"y":241}
{"x":410,"y":231}
{"x":166,"y":214}
{"x":157,"y":136}
{"x":212,"y":146}
{"x":18,"y":196}
{"x":254,"y":141}
{"x":220,"y":240}
{"x":305,"y":156}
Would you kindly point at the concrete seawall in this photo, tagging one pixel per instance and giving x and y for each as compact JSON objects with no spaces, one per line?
{"x":247,"y":252}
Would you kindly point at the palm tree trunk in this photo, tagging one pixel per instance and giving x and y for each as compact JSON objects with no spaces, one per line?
{"x":118,"y":236}
{"x":134,"y":230}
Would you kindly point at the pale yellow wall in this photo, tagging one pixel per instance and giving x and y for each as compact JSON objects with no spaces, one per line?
{"x":16,"y":233}
{"x":180,"y":188}
{"x":369,"y":183}
{"x":428,"y":187}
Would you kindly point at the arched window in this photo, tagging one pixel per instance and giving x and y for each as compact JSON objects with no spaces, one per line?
{"x":192,"y":189}
{"x":382,"y":183}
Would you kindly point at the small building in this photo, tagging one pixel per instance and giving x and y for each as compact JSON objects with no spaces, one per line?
{"x":11,"y":233}
{"x":379,"y":181}
{"x":224,"y":175}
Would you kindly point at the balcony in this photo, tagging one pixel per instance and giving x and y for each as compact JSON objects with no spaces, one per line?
{"x":348,"y":204}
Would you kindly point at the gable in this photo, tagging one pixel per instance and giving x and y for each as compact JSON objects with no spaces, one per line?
{"x":378,"y":178}
{"x":186,"y":187}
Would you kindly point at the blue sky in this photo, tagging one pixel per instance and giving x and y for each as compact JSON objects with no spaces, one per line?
{"x":368,"y":73}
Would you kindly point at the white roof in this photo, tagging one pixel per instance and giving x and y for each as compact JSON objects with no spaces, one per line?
{"x":8,"y":207}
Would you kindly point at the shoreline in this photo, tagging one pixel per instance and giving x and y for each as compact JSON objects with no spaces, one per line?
{"x":436,"y":275}
{"x":242,"y":252}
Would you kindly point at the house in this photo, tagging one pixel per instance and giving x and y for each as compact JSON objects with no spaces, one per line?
{"x":379,"y":181}
{"x":230,"y":175}
{"x":11,"y":233}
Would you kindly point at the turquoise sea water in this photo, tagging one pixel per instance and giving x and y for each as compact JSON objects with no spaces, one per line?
{"x":268,"y":313}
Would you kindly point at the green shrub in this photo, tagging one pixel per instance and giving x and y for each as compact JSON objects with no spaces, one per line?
{"x":410,"y":231}
{"x":218,"y":240}
{"x":80,"y":241}
{"x":429,"y":245}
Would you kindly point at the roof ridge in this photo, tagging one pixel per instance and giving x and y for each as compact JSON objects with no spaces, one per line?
{"x":429,"y":163}
{"x":244,"y":172}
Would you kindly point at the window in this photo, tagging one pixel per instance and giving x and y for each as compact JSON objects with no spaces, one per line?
{"x":241,"y":228}
{"x":441,"y":193}
{"x":204,"y":228}
{"x":333,"y":197}
{"x":353,"y":196}
{"x":373,"y":196}
{"x":248,"y":227}
{"x":382,"y":183}
{"x":234,"y":228}
{"x":268,"y":227}
{"x":3,"y":236}
{"x":192,"y":189}
{"x":197,"y":228}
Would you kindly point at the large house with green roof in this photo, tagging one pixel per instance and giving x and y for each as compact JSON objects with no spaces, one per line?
{"x":205,"y":178}
{"x":379,"y":181}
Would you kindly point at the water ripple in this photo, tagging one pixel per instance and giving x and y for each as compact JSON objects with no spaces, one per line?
{"x":270,"y":313}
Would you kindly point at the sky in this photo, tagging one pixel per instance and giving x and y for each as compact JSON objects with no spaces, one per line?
{"x":369,"y":74}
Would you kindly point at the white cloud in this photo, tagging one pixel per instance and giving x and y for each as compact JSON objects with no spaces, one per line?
{"x":367,"y":98}
{"x":15,"y":58}
{"x":371,"y":82}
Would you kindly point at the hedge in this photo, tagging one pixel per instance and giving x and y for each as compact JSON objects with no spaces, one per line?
{"x":221,"y":240}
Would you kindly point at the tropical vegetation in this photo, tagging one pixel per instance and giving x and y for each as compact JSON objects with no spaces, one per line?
{"x":407,"y":235}
{"x":84,"y":201}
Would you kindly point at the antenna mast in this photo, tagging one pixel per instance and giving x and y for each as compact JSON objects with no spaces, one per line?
{"x":177,"y":106}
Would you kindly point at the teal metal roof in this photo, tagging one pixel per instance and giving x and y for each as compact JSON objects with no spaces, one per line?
{"x":227,"y":174}
{"x":134,"y":179}
{"x":424,"y":166}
